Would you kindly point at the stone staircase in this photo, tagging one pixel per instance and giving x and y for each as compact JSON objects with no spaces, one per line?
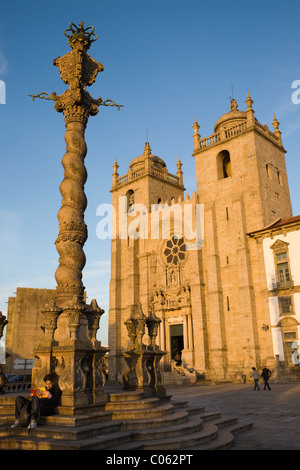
{"x":128,"y":421}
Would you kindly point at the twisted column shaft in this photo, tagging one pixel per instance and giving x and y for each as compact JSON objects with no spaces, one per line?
{"x":72,"y":228}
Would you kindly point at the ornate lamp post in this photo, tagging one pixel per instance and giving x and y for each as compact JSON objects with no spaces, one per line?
{"x":70,"y":347}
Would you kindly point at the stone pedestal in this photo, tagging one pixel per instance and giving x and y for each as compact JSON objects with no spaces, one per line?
{"x":70,"y":350}
{"x":143,"y":372}
{"x":143,"y":362}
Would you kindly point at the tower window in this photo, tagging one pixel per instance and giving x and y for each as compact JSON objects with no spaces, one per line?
{"x":279,"y":177}
{"x":223,"y":164}
{"x":130,"y":200}
{"x":268,"y":170}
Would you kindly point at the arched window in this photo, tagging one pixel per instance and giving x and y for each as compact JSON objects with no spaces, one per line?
{"x":268,"y":170}
{"x":130,"y":200}
{"x":223,"y":164}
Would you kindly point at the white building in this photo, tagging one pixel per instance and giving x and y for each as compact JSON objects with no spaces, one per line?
{"x":280,"y":248}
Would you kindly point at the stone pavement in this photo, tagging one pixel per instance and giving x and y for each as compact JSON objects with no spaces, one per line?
{"x":275,"y":414}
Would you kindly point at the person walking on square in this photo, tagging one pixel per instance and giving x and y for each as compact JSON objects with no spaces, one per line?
{"x":255,"y":376}
{"x":265,"y":375}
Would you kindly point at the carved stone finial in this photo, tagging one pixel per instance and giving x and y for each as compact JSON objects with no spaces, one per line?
{"x":147,"y":149}
{"x":233,"y":105}
{"x":80,"y":37}
{"x":249,"y":102}
{"x":275,"y":123}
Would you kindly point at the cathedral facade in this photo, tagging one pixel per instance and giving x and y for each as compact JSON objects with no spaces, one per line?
{"x":191,"y":256}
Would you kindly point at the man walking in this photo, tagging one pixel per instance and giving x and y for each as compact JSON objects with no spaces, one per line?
{"x":265,"y":375}
{"x":255,"y":376}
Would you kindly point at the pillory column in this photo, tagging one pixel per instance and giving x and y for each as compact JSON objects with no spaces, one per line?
{"x":70,"y":348}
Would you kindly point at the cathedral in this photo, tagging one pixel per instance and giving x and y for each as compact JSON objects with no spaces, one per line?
{"x":219,"y":267}
{"x":194,"y":257}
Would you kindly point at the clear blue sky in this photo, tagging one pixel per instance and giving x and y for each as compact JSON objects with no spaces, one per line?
{"x":165,"y":61}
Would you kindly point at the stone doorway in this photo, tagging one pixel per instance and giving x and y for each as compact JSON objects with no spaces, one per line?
{"x":176,"y":340}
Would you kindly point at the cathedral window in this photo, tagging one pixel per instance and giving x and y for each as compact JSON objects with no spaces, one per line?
{"x":175,"y":251}
{"x":223,"y":164}
{"x":130,"y":200}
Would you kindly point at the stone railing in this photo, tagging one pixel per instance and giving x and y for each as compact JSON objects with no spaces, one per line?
{"x":159,"y":173}
{"x":233,"y":131}
{"x":16,"y":386}
{"x":210,"y":140}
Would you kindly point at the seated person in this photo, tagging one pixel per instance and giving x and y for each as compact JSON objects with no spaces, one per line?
{"x":43,"y":402}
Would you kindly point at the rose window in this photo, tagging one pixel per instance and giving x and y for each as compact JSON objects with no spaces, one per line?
{"x":175,"y":251}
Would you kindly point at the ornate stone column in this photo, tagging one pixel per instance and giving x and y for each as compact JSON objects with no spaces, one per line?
{"x":70,"y":348}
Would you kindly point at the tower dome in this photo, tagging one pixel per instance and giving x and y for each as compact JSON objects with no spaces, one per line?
{"x":232,"y":118}
{"x":140,"y":160}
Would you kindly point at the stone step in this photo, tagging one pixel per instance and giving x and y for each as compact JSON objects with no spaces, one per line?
{"x":23,"y":442}
{"x":7,"y":410}
{"x":170,"y":419}
{"x":240,"y":426}
{"x":132,"y":405}
{"x":191,"y":426}
{"x":222,"y":441}
{"x":208,"y":433}
{"x":159,"y":410}
{"x":65,"y":420}
{"x":68,"y":433}
{"x":119,"y":440}
{"x":192,"y":409}
{"x":124,"y":396}
{"x":224,"y":422}
{"x":210,"y":415}
{"x":228,"y":427}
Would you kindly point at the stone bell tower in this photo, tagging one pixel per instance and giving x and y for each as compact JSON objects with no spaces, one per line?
{"x":148,"y":182}
{"x":242,"y":182}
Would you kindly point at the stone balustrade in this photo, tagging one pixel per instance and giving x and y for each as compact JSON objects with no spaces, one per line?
{"x":233,"y":131}
{"x":157,"y":172}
